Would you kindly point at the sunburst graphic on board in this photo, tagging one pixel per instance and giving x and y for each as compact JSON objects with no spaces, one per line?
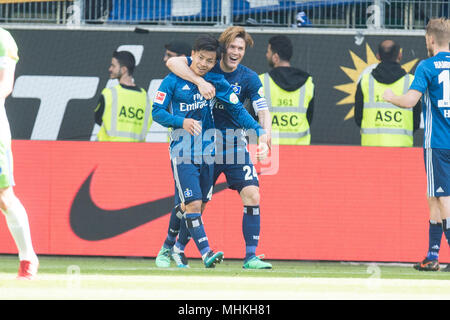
{"x":361,"y":67}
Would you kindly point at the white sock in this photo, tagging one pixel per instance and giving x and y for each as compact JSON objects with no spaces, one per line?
{"x":17,"y":221}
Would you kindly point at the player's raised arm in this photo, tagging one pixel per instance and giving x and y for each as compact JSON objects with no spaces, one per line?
{"x":180,"y":67}
{"x":260,"y":106}
{"x":408,"y":100}
{"x":231,"y":102}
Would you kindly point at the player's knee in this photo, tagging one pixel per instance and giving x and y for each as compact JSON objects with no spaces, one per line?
{"x":444,"y":206}
{"x":250,"y":196}
{"x":6,"y":199}
{"x":194,"y":206}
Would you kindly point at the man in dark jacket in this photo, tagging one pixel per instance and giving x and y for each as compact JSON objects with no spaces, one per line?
{"x":383,"y":124}
{"x":289,"y":92}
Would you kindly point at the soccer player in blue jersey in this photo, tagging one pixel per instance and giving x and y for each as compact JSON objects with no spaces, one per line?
{"x":239,"y":172}
{"x":179,"y":105}
{"x":432,"y":84}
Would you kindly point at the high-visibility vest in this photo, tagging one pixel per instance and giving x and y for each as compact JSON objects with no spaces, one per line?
{"x":127,"y":116}
{"x":384,"y":124}
{"x":288,"y":111}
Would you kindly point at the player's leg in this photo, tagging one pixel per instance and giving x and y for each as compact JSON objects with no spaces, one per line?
{"x":177,"y":251}
{"x":163,"y":258}
{"x":184,"y":235}
{"x":16,"y":217}
{"x":174,"y":224}
{"x":194,"y":224}
{"x":431,"y":264}
{"x":444,"y":206}
{"x":251,"y":227}
{"x":431,"y":261}
{"x":194,"y":183}
{"x":251,"y":221}
{"x":207,"y":178}
{"x":438,"y":185}
{"x":243,"y":178}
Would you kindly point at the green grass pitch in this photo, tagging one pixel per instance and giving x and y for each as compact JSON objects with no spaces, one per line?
{"x":105,"y":278}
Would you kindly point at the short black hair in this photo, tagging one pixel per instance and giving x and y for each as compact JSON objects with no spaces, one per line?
{"x":125,"y":59}
{"x":179,"y":47}
{"x":388,"y":50}
{"x":208,"y":42}
{"x":281,"y":45}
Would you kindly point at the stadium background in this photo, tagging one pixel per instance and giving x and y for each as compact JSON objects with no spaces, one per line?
{"x":333,"y":200}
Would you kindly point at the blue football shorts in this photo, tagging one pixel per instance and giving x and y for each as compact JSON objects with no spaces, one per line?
{"x":239,"y":172}
{"x":437,"y":167}
{"x":192,"y":181}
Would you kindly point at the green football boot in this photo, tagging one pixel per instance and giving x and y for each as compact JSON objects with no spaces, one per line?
{"x":256,"y":263}
{"x":163,"y":258}
{"x":212,"y":258}
{"x":180,"y":259}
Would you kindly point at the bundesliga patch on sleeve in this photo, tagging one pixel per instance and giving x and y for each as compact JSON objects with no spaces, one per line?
{"x":234,"y":98}
{"x":261,"y":92}
{"x":160,"y":97}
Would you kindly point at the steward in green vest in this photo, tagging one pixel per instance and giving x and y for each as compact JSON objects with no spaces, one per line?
{"x":382,"y":123}
{"x":289,"y":93}
{"x":124,"y":111}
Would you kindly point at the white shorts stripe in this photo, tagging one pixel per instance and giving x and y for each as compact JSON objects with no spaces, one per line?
{"x":177,"y":179}
{"x":430,"y":175}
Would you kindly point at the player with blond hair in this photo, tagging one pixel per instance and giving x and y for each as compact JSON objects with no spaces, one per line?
{"x":432,"y":84}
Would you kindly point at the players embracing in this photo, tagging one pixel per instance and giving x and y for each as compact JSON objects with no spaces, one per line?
{"x":180,"y":105}
{"x":232,"y":157}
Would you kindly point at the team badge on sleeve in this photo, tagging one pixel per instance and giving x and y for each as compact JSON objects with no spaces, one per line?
{"x":160,"y":97}
{"x":236,"y":88}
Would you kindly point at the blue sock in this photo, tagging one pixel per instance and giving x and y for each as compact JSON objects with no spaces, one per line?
{"x":195,"y":226}
{"x":251,"y":226}
{"x":184,"y":236}
{"x":434,"y":240}
{"x":446,"y":228}
{"x":174,"y":227}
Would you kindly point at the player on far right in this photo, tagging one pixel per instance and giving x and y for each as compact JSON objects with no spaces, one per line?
{"x":432,"y":80}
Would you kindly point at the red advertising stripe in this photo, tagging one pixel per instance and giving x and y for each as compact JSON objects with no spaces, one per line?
{"x":324,"y":203}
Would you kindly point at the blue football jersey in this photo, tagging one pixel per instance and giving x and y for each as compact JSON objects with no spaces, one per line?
{"x":432,"y":79}
{"x":247,"y":86}
{"x":177,"y":99}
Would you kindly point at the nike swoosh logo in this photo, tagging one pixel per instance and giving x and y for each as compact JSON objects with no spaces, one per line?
{"x":89,"y":222}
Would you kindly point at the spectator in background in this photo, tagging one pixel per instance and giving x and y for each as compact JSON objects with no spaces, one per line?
{"x":177,"y":49}
{"x":123,"y":111}
{"x":15,"y":214}
{"x":303,"y":20}
{"x":383,"y":124}
{"x":289,"y":93}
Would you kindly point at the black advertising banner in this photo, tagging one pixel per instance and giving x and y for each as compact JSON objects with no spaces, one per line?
{"x":61,"y":74}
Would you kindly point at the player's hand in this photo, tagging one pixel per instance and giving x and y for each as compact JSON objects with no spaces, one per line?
{"x":269,"y":139}
{"x":192,"y":126}
{"x":206,"y":89}
{"x":388,"y":95}
{"x":263,"y":147}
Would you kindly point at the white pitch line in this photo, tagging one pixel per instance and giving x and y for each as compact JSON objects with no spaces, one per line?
{"x":87,"y":287}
